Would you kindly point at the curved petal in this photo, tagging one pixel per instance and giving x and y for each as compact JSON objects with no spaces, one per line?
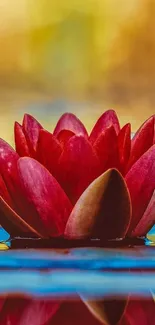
{"x":12,"y":229}
{"x":142,"y":141}
{"x":21,"y":311}
{"x":8,"y":159}
{"x":8,"y":168}
{"x":20,"y":141}
{"x":78,"y":166}
{"x":74,"y":313}
{"x":103,"y":210}
{"x":147,"y":221}
{"x":48,"y":151}
{"x":12,"y":310}
{"x":108,"y":312}
{"x":4,"y":192}
{"x":45,"y":195}
{"x":124,"y":146}
{"x":64,"y":136}
{"x":106,"y":147}
{"x":39,"y":312}
{"x":139,"y":312}
{"x":2,"y":302}
{"x":14,"y":224}
{"x":141,"y":183}
{"x":10,"y":174}
{"x":69,"y":121}
{"x":107,"y":119}
{"x":31,"y":128}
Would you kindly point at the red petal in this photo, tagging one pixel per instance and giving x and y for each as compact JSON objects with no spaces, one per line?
{"x":20,"y":311}
{"x":31,"y":128}
{"x":2,"y":301}
{"x":141,"y":183}
{"x":78,"y":166}
{"x":124,"y":145}
{"x":20,"y":141}
{"x":154,"y":131}
{"x":103,"y":210}
{"x":107,"y":119}
{"x":69,"y":121}
{"x":48,"y":150}
{"x":139,"y":312}
{"x":45,"y":194}
{"x":39,"y":312}
{"x":8,"y":167}
{"x":73,"y":313}
{"x":148,"y":219}
{"x":64,"y":136}
{"x":4,"y":192}
{"x":10,"y":174}
{"x":142,"y":141}
{"x":14,"y":224}
{"x":12,"y":311}
{"x":108,"y":312}
{"x":106,"y":147}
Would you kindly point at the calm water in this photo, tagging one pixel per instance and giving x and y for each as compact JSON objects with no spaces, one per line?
{"x":94,"y":272}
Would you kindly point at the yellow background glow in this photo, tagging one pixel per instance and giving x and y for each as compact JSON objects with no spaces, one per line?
{"x":85,"y":55}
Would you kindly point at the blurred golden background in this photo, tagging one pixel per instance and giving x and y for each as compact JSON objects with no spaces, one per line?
{"x":79,"y":56}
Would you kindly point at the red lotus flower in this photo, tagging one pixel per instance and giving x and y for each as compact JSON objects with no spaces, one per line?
{"x":78,"y":186}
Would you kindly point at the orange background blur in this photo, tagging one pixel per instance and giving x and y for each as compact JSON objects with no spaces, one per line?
{"x":79,"y":56}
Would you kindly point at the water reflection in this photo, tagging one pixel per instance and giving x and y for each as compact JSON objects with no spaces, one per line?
{"x":92,"y":272}
{"x":88,"y":283}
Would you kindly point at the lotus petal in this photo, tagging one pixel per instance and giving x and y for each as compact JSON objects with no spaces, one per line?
{"x":4,"y":192}
{"x":147,"y":221}
{"x":21,"y":311}
{"x":124,"y":146}
{"x":142,"y":141}
{"x":69,"y":121}
{"x":20,"y":141}
{"x":108,"y":312}
{"x":74,"y":313}
{"x":78,"y":166}
{"x":139,"y":312}
{"x":2,"y":301}
{"x":107,"y":119}
{"x":48,"y":151}
{"x":45,"y":194}
{"x":8,"y":168}
{"x":12,"y":311}
{"x":64,"y":136}
{"x":154,"y":132}
{"x":8,"y":159}
{"x":39,"y":312}
{"x":106,"y":147}
{"x":14,"y":224}
{"x":11,"y":228}
{"x":10,"y":174}
{"x":141,"y":183}
{"x":103,"y":210}
{"x":31,"y":128}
